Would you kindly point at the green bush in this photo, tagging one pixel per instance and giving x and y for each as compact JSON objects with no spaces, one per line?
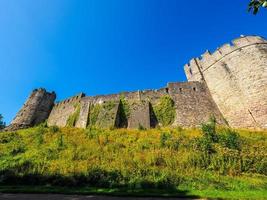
{"x":164,"y":137}
{"x":165,"y":111}
{"x":54,"y":129}
{"x":94,"y":112}
{"x":141,"y":128}
{"x":2,"y":123}
{"x":40,"y":131}
{"x":125,"y":106}
{"x":230,"y":139}
{"x":209,"y":130}
{"x":8,"y":137}
{"x":203,"y":144}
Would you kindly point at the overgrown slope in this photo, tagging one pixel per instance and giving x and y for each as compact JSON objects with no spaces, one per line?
{"x":174,"y":159}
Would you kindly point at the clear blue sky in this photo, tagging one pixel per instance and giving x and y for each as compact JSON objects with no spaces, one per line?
{"x":108,"y":46}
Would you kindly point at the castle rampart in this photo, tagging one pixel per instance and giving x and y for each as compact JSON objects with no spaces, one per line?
{"x":36,"y":110}
{"x":236,"y":75}
{"x":62,"y":111}
{"x":230,"y":84}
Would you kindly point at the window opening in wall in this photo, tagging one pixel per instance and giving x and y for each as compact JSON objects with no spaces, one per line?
{"x":167,"y":90}
{"x":194,"y":89}
{"x":190,"y":71}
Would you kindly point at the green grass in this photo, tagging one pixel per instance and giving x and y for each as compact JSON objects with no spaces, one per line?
{"x":214,"y":162}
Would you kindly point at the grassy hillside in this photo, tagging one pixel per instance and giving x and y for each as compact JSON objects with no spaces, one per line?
{"x":208,"y":163}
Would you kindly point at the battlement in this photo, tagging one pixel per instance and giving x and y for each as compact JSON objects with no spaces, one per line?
{"x":197,"y":66}
{"x":229,"y":83}
{"x":76,"y":98}
{"x":35,"y":110}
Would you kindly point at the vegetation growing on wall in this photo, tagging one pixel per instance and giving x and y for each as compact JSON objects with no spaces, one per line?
{"x":164,"y":159}
{"x":165,"y":111}
{"x":107,"y":115}
{"x":73,"y":118}
{"x":94,"y":112}
{"x":125,"y":106}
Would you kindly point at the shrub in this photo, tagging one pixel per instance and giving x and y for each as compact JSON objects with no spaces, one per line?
{"x":230,"y":139}
{"x":60,"y":142}
{"x":8,"y":137}
{"x":141,"y":128}
{"x":101,"y":178}
{"x":209,"y":130}
{"x":39,"y":135}
{"x":164,"y":137}
{"x":54,"y":129}
{"x":2,"y":123}
{"x":94,"y":112}
{"x":125,"y":106}
{"x":203,"y":144}
{"x":165,"y":111}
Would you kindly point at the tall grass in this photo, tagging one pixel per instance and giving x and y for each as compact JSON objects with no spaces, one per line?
{"x":218,"y":158}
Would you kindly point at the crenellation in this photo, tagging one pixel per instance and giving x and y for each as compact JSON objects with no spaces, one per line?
{"x":236,"y":77}
{"x":230,"y":84}
{"x":35,"y":111}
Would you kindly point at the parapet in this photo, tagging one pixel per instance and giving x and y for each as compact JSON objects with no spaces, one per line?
{"x":76,"y":98}
{"x":196,"y":66}
{"x":36,"y":109}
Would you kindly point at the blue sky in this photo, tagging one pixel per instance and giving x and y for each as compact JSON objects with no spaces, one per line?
{"x":108,"y":46}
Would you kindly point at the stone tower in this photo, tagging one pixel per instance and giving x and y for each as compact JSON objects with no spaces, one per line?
{"x":36,"y":110}
{"x":236,"y":75}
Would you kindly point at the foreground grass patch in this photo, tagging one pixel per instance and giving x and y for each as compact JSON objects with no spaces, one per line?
{"x":212,"y":162}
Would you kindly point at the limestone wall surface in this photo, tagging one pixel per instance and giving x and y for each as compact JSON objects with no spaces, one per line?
{"x":139,"y":115}
{"x":193,"y":104}
{"x":229,"y":84}
{"x":35,"y":110}
{"x":62,"y":111}
{"x":236,"y":75}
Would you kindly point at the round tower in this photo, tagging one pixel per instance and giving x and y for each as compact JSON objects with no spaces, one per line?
{"x":236,"y":75}
{"x":35,"y":110}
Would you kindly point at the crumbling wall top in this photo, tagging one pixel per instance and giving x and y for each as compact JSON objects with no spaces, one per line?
{"x":206,"y":60}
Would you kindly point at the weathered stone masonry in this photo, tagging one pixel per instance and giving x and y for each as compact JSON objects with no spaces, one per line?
{"x":236,"y":75}
{"x":230,"y":84}
{"x":36,"y":110}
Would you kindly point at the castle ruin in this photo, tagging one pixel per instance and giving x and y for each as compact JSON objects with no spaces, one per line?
{"x":229,"y":84}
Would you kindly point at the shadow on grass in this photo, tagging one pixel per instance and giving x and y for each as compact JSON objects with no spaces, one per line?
{"x":123,"y":192}
{"x":97,"y":182}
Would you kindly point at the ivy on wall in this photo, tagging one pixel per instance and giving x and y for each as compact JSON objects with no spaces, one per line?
{"x":165,"y":111}
{"x":94,"y":112}
{"x":74,"y":117}
{"x":125,"y":106}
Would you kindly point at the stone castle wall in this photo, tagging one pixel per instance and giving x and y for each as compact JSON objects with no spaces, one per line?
{"x":236,"y":75}
{"x":193,"y":106}
{"x":230,"y":84}
{"x":36,"y":110}
{"x":63,"y":110}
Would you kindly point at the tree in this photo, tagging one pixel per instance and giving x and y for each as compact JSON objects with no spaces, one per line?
{"x":2,"y":123}
{"x":255,"y":5}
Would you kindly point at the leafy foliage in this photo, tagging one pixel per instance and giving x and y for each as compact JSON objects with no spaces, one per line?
{"x":74,"y":117}
{"x":125,"y":106}
{"x":165,"y":111}
{"x":255,"y":5}
{"x":94,"y":113}
{"x":2,"y":123}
